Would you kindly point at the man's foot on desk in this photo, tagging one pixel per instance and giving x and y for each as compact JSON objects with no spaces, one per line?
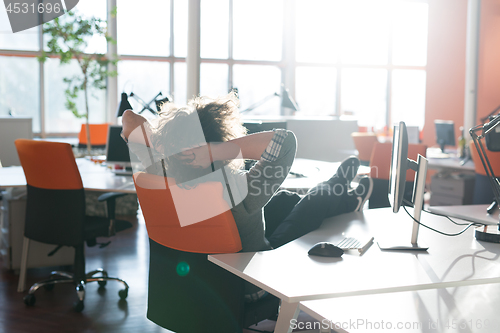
{"x":348,"y":169}
{"x":363,"y":191}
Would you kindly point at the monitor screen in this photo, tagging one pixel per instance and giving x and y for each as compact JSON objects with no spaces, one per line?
{"x":445,"y":133}
{"x":399,"y":165}
{"x":116,"y":148}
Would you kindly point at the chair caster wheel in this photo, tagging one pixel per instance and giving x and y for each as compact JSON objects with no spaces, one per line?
{"x":102,"y":284}
{"x":79,"y":306}
{"x":29,"y":300}
{"x":49,"y":287}
{"x":123,"y":293}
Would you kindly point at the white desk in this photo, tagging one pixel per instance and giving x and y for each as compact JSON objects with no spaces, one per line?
{"x":95,"y":177}
{"x":452,"y":310}
{"x":314,"y":172}
{"x":473,"y":213}
{"x":290,"y":274}
{"x":449,"y":162}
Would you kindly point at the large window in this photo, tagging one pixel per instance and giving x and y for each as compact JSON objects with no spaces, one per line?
{"x":152,"y":45}
{"x":362,"y":57}
{"x":241,"y":47}
{"x":19,"y":88}
{"x":365,"y":58}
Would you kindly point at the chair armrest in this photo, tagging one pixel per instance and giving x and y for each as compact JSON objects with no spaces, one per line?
{"x":110,"y":195}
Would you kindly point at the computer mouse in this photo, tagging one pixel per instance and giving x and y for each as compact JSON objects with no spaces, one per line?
{"x":326,"y":249}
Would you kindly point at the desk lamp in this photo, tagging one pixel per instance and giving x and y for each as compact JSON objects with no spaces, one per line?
{"x":487,"y":233}
{"x":286,"y":101}
{"x":125,"y":105}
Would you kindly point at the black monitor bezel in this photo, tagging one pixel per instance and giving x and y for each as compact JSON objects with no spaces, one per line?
{"x":399,"y":166}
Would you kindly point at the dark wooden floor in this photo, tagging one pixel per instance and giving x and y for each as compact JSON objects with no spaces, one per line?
{"x":126,"y":257}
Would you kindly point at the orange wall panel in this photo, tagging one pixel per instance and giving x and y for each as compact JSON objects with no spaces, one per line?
{"x":488,"y":98}
{"x":445,"y":65}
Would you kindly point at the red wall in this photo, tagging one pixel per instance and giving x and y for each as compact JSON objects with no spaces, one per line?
{"x":488,"y":98}
{"x":446,"y":63}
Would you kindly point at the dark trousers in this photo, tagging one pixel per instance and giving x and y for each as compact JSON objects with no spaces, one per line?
{"x":289,"y":217}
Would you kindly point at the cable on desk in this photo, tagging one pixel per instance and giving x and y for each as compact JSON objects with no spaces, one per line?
{"x":443,"y":215}
{"x":439,"y":232}
{"x":450,"y":219}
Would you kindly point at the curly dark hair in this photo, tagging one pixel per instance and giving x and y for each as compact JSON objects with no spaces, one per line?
{"x":204,"y":119}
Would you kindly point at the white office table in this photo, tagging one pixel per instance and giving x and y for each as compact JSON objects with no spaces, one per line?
{"x":291,"y":275}
{"x":95,"y":177}
{"x":449,"y":162}
{"x":473,"y":213}
{"x":452,"y":310}
{"x":314,"y":172}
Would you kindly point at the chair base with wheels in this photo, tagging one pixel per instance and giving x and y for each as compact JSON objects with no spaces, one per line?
{"x":55,"y":214}
{"x":94,"y":227}
{"x":59,"y":277}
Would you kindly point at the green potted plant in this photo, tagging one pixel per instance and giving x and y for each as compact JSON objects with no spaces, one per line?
{"x":68,"y":37}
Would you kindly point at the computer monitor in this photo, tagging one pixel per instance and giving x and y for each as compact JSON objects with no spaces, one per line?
{"x":400,"y":163}
{"x":445,"y":133}
{"x":117,"y":151}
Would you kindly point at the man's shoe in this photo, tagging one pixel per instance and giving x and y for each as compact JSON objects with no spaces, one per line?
{"x":363,"y":191}
{"x":348,"y":169}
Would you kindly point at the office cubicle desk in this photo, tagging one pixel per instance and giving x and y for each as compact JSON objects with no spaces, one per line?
{"x":94,"y":177}
{"x":448,"y":162}
{"x":306,"y":173}
{"x":453,"y":184}
{"x":11,"y":129}
{"x":290,"y":274}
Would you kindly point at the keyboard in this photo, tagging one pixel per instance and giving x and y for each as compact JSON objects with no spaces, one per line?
{"x":351,"y":243}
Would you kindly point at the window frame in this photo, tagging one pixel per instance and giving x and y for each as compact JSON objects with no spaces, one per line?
{"x":287,"y":65}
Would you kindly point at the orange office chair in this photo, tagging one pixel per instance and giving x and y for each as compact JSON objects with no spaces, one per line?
{"x":364,"y":141}
{"x":483,"y":194}
{"x":98,"y":135}
{"x":55,"y":214}
{"x":380,"y":167}
{"x":187,"y":293}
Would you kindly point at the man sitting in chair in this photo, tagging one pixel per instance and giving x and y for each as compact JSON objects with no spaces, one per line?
{"x":189,"y":143}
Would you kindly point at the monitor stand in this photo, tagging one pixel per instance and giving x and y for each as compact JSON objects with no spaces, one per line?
{"x":442,"y":146}
{"x":418,"y":202}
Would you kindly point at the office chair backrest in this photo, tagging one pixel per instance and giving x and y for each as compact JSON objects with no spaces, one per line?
{"x":98,"y":134}
{"x":493,"y":157}
{"x":217,"y":234}
{"x":380,"y":161}
{"x":364,"y":142}
{"x":55,"y":208}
